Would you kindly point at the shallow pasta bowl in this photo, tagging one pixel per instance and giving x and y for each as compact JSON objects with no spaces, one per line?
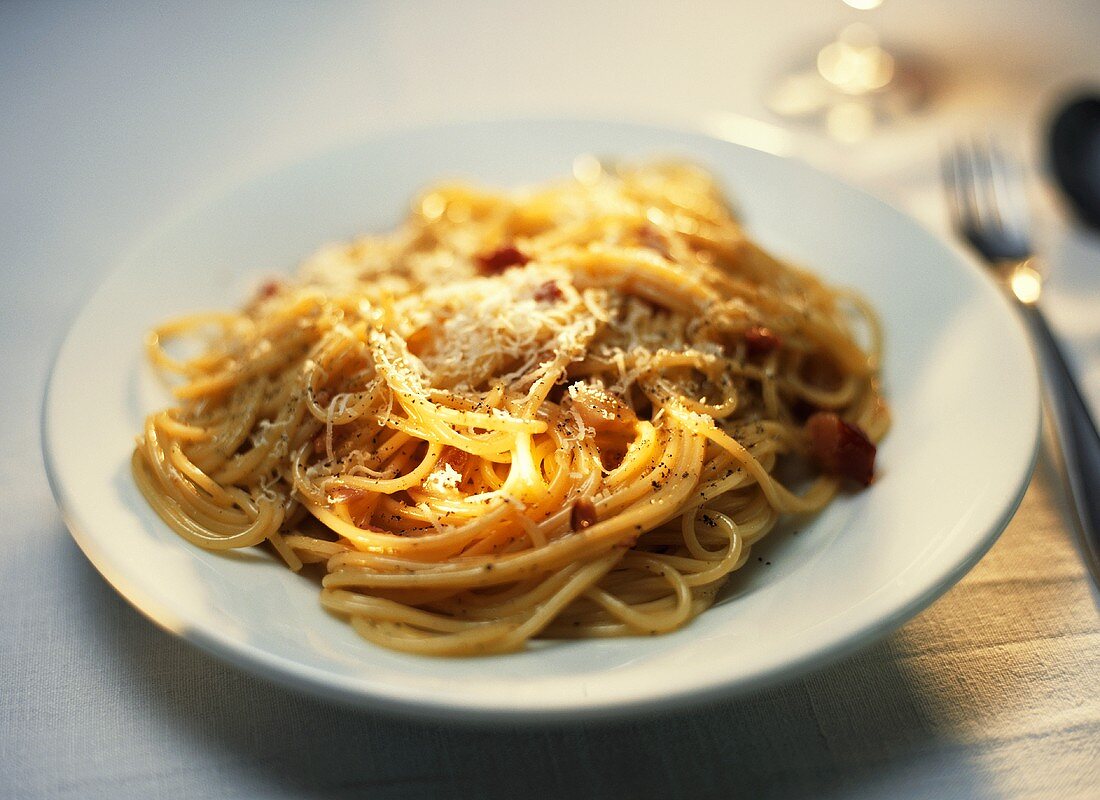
{"x":958,"y":374}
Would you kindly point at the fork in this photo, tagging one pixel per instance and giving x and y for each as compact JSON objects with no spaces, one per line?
{"x":988,"y":207}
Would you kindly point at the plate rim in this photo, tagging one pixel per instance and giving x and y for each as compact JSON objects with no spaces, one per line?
{"x":287,"y":672}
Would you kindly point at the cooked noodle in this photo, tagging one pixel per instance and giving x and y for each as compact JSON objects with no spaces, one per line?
{"x":552,"y":413}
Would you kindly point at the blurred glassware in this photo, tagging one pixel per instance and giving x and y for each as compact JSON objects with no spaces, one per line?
{"x":852,"y":86}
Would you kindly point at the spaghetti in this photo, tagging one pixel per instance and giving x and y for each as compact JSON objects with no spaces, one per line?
{"x":552,"y":413}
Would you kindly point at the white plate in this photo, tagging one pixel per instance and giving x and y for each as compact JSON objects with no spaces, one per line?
{"x":959,"y":376}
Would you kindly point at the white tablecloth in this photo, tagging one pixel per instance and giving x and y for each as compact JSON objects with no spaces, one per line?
{"x":116,"y":115}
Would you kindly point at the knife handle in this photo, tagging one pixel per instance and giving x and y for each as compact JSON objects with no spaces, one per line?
{"x":1076,"y":433}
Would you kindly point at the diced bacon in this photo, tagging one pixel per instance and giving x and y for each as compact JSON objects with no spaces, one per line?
{"x":548,"y":292}
{"x":269,"y":289}
{"x":761,"y":341}
{"x":602,"y":411}
{"x":840,"y":447}
{"x":583,"y":514}
{"x":455,"y":458}
{"x":447,"y":474}
{"x":612,"y":420}
{"x":496,"y":261}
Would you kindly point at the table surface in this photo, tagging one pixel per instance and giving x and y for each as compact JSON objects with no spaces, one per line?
{"x":117,"y":114}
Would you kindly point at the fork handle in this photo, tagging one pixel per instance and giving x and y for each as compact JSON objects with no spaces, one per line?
{"x":1076,"y":432}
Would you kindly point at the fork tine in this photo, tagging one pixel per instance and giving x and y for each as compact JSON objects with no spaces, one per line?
{"x":968,"y":198}
{"x":988,"y":188}
{"x":1010,"y":183}
{"x":953,"y":186}
{"x":971,"y":183}
{"x":986,"y":199}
